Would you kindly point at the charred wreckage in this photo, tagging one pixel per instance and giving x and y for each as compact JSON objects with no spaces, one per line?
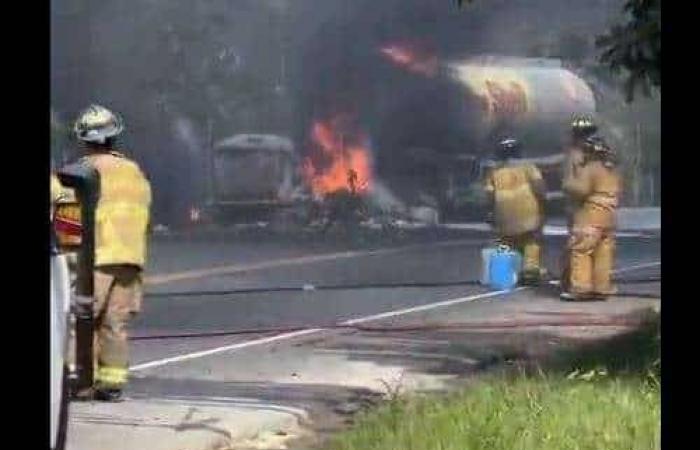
{"x":415,"y":152}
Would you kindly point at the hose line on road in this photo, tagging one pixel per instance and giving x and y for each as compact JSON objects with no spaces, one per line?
{"x":586,"y":319}
{"x":583,"y":321}
{"x":341,"y":287}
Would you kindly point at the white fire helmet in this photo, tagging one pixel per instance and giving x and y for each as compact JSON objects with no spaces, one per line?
{"x":96,"y":124}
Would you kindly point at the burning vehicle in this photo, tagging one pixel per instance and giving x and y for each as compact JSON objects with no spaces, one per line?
{"x":422,"y":132}
{"x":338,"y":171}
{"x":443,"y":136}
{"x":408,"y":135}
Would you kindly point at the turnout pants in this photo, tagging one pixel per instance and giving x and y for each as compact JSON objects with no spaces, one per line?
{"x":528,"y":244}
{"x":592,"y":255}
{"x":565,"y":259}
{"x":118,"y":295}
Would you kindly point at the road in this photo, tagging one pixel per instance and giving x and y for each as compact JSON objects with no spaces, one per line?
{"x":289,"y":364}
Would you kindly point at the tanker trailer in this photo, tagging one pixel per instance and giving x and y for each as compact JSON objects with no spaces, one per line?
{"x":254,"y":176}
{"x":534,"y":99}
{"x":438,"y":134}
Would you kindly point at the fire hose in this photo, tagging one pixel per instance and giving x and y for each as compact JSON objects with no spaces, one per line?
{"x":585,"y":319}
{"x":338,"y":287}
{"x":589,"y":321}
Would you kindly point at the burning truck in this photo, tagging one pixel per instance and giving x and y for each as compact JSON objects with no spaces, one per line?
{"x":413,"y":140}
{"x":428,"y":130}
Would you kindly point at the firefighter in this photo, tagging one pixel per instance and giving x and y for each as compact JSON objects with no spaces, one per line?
{"x":66,"y":215}
{"x":56,"y":193}
{"x":582,"y":127}
{"x":54,"y":196}
{"x":595,"y":190}
{"x":65,"y":236}
{"x":121,"y":221}
{"x":517,"y":194}
{"x":55,"y":189}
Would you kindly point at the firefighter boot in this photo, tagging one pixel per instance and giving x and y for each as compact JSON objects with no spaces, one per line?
{"x":108,"y":395}
{"x":530,"y":248}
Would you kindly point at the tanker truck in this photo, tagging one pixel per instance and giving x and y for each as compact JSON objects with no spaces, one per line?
{"x":435,"y":135}
{"x":254,"y":178}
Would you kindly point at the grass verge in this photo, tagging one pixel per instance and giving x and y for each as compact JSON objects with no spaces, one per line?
{"x":605,"y":396}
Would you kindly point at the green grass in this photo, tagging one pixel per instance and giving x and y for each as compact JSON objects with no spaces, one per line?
{"x":607,"y":398}
{"x":634,"y":354}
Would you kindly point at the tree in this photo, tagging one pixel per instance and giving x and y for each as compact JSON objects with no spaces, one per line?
{"x":632,"y":48}
{"x":635,"y":47}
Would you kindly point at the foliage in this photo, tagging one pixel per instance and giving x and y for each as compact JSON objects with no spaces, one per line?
{"x":635,"y":47}
{"x":632,"y":48}
{"x":605,"y":395}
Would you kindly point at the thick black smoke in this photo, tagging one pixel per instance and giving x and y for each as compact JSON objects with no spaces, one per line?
{"x":416,"y":121}
{"x":222,"y":67}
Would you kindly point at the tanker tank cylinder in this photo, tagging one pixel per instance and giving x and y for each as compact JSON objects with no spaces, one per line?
{"x":524,"y":90}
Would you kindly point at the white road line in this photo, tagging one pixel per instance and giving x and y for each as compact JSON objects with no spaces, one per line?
{"x":295,"y":334}
{"x":226,"y":348}
{"x":429,"y":306}
{"x":238,"y":268}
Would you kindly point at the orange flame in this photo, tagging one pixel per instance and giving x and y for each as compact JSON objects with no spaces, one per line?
{"x":412,"y":60}
{"x":341,"y":164}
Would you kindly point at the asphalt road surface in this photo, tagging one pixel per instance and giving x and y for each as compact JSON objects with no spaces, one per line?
{"x":282,"y":360}
{"x":182,"y":268}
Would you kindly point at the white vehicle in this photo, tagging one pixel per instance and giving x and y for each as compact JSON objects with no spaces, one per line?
{"x":60,"y":322}
{"x":254,"y":176}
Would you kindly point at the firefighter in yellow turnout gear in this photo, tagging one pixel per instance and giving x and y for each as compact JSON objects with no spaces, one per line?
{"x":595,"y":188}
{"x":56,"y":193}
{"x":66,"y":216}
{"x":121,"y":222}
{"x":56,"y":189}
{"x":517,"y":193}
{"x":582,"y":127}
